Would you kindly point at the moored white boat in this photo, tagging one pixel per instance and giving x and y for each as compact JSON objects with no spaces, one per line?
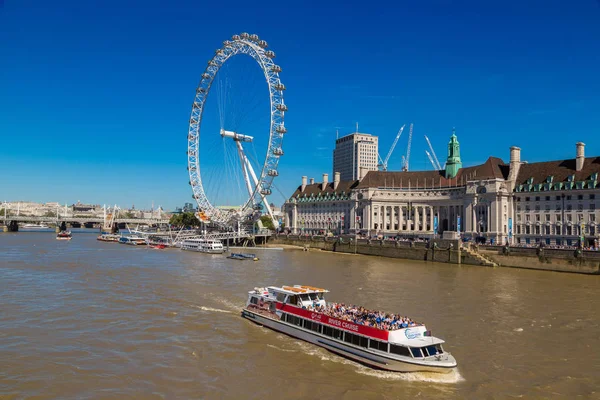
{"x":302,"y":312}
{"x":34,"y":226}
{"x":108,"y":237}
{"x":132,"y":240}
{"x":203,"y":246}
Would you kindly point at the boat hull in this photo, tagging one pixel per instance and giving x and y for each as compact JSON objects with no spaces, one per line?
{"x":352,"y":352}
{"x":209,"y":251}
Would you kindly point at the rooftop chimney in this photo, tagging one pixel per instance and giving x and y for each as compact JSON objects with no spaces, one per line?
{"x":580,"y":156}
{"x":303,"y":184}
{"x":312,"y":181}
{"x":515,"y":154}
{"x":515,"y":164}
{"x":336,"y":180}
{"x":325,"y":181}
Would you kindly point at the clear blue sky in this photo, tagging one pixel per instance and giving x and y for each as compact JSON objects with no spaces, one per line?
{"x":95,"y":96}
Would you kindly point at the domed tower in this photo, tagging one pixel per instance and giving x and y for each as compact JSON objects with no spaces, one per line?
{"x":453,"y":163}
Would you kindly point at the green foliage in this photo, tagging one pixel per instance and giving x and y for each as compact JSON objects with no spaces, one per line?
{"x":187,"y":219}
{"x":50,"y":214}
{"x":127,"y":215}
{"x":267,"y":222}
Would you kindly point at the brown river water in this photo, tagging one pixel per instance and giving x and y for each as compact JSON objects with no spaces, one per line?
{"x":91,"y":320}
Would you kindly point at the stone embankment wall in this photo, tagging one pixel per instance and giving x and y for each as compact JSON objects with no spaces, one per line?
{"x":586,"y":262}
{"x":384,"y":248}
{"x":562,"y":260}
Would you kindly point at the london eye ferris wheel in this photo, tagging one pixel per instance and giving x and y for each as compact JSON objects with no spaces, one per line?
{"x":236,"y":131}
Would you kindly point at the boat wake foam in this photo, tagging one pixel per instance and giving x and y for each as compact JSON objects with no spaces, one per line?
{"x":280,"y":349}
{"x":451,"y":377}
{"x":210,"y":309}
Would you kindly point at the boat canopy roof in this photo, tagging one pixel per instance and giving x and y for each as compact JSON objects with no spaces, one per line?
{"x":297,"y":289}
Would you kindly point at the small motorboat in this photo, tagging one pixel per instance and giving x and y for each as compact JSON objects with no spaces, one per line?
{"x":243,"y":256}
{"x":64,"y":235}
{"x":158,"y":246}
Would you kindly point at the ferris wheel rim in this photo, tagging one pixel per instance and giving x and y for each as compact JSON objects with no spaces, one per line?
{"x":257,"y":49}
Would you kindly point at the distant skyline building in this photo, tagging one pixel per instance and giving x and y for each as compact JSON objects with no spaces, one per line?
{"x":354,"y":155}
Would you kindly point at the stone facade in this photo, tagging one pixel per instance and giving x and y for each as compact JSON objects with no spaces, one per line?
{"x":549,"y":202}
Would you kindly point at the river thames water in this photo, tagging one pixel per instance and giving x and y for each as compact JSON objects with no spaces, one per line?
{"x":86,"y":319}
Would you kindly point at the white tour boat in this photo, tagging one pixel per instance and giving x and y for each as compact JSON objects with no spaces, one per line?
{"x":302,"y":312}
{"x":133,"y":240}
{"x":34,"y":226}
{"x":203,"y":246}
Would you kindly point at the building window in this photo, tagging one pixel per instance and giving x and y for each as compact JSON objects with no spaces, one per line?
{"x":527,"y":208}
{"x":537,"y":198}
{"x":569,"y":197}
{"x":592,"y":206}
{"x":537,"y":217}
{"x":547,"y":198}
{"x":569,"y":207}
{"x":526,"y":198}
{"x":592,"y":196}
{"x":558,"y":198}
{"x":547,"y":217}
{"x":580,"y":197}
{"x":537,"y":208}
{"x":547,"y":208}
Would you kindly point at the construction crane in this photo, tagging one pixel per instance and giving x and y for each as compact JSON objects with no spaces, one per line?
{"x":384,"y":163}
{"x":406,"y":160}
{"x":431,"y":160}
{"x":432,"y":157}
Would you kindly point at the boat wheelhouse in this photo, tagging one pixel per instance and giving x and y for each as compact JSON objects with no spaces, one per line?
{"x":302,"y":312}
{"x":203,"y":246}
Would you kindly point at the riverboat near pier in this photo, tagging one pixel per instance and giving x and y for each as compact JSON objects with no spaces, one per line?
{"x":132,"y":240}
{"x":391,"y":344}
{"x":203,"y":246}
{"x":108,"y":237}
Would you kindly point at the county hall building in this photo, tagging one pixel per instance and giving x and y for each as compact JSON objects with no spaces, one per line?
{"x":552,"y":202}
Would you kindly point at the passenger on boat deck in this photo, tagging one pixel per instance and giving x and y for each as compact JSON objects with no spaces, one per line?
{"x":362,"y":316}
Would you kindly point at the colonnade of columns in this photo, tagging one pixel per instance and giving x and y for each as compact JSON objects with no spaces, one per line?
{"x":412,"y":218}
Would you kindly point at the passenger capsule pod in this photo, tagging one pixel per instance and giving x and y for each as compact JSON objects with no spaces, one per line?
{"x":226,"y":43}
{"x":245,"y":35}
{"x":254,"y":37}
{"x":280,"y":129}
{"x":235,"y":37}
{"x":213,"y":63}
{"x":280,"y":86}
{"x":205,"y":76}
{"x":278,"y":152}
{"x":265,"y":192}
{"x":281,"y":107}
{"x":273,"y":172}
{"x":258,"y":207}
{"x":219,"y":51}
{"x":276,"y":68}
{"x":270,"y":53}
{"x":262,"y":44}
{"x":200,"y":90}
{"x":192,"y":121}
